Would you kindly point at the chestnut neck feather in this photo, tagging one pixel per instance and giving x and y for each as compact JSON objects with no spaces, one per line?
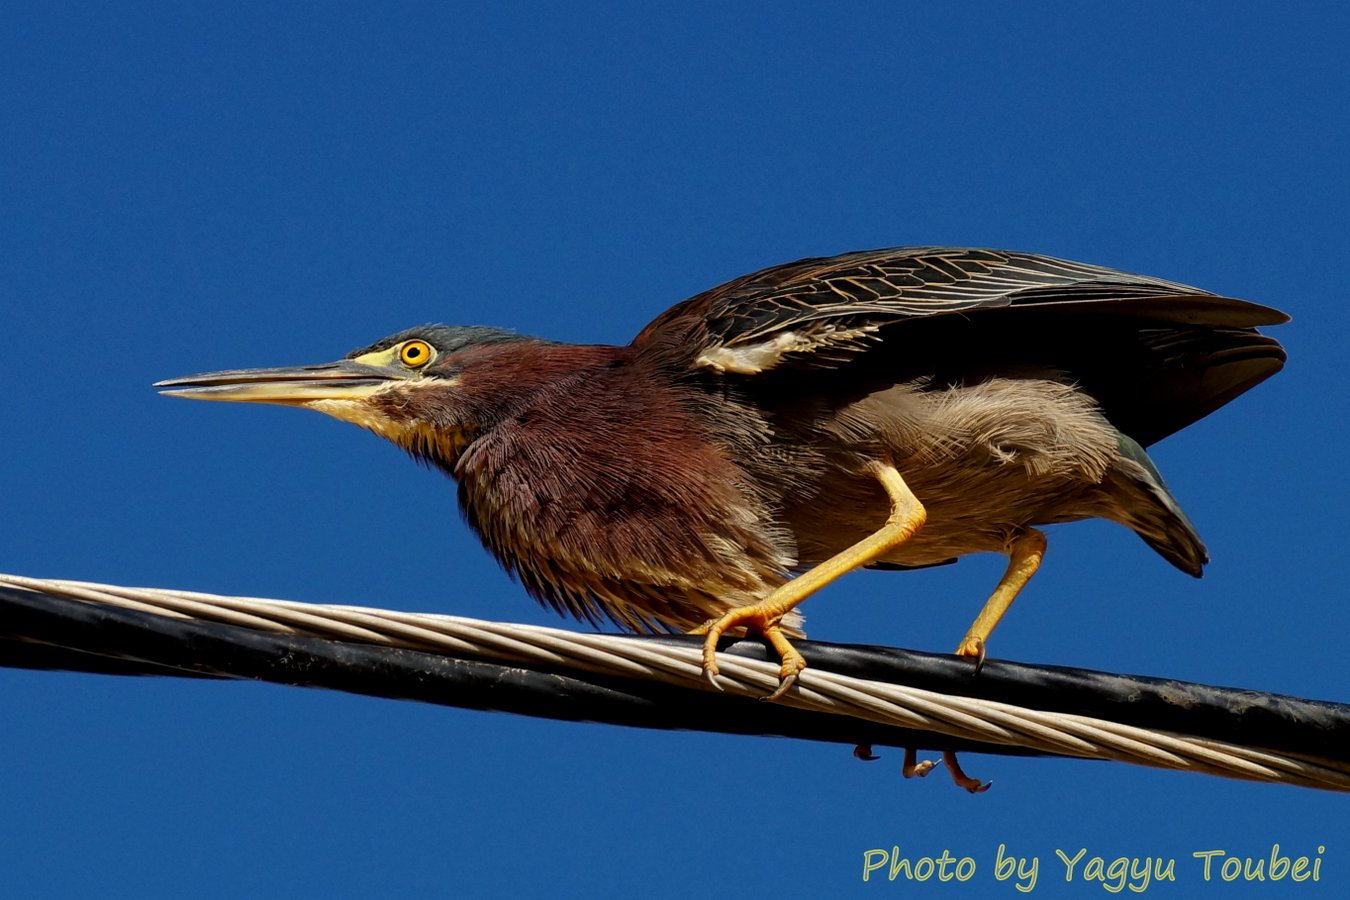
{"x":483,"y":385}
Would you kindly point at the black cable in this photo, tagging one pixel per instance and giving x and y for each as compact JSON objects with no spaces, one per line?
{"x":41,"y":631}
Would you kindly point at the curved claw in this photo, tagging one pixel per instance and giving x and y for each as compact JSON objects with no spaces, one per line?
{"x":864,"y":752}
{"x":710,"y":675}
{"x":973,"y":648}
{"x":785,"y":684}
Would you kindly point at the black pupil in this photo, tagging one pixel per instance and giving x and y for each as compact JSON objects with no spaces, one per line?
{"x":413,"y":352}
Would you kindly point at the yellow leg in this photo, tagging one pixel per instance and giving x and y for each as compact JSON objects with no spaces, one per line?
{"x":1025,"y":552}
{"x":907,"y":516}
{"x":1024,"y":558}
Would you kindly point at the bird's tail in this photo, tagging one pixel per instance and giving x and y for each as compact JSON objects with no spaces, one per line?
{"x":1145,"y":505}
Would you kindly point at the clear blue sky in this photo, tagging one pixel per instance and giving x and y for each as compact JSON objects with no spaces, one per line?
{"x":187,"y":187}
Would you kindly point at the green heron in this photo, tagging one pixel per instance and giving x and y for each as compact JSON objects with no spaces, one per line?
{"x":884,"y":409}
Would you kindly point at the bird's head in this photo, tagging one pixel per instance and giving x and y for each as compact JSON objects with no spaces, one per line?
{"x":427,"y":389}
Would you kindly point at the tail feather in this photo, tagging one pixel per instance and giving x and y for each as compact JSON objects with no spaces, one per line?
{"x":1145,"y":505}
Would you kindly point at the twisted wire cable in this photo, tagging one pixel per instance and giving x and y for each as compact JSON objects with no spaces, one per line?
{"x":849,"y":694}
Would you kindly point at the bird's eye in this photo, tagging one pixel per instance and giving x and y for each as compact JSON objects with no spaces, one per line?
{"x":415,"y":354}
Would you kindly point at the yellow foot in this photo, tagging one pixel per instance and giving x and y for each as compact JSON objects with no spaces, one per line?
{"x":974,"y":649}
{"x":912,"y":768}
{"x":864,"y":752}
{"x":974,"y":785}
{"x":753,"y":618}
{"x":907,"y":516}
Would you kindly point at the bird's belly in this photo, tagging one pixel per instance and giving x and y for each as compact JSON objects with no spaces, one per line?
{"x":971,"y":508}
{"x":984,"y":460}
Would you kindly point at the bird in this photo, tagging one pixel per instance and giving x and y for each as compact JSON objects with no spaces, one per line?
{"x":886,"y":409}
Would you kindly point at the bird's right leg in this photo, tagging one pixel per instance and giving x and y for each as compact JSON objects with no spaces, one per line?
{"x":907,"y":516}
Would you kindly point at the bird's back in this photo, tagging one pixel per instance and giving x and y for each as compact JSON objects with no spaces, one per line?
{"x":1155,"y":354}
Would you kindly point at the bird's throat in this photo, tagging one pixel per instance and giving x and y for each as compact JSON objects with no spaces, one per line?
{"x":438,"y":445}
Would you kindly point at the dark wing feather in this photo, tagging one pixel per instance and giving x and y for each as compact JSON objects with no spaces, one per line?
{"x":873,"y":288}
{"x":1157,"y":354}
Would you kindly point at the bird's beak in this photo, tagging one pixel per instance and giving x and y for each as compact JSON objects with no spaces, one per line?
{"x":345,"y":379}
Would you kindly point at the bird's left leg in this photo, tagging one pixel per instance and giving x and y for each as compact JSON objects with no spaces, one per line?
{"x":906,"y":517}
{"x":1025,"y":551}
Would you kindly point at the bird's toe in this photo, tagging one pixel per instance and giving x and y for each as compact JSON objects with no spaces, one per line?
{"x":913,"y":767}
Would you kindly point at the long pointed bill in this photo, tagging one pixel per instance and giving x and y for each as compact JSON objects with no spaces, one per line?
{"x":345,"y":379}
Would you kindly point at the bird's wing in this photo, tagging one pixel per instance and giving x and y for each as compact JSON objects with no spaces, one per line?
{"x":822,"y":311}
